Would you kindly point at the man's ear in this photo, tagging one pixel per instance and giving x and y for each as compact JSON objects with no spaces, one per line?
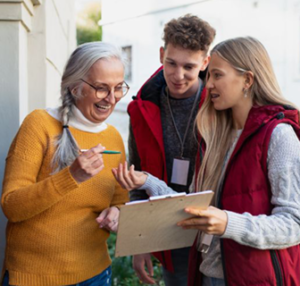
{"x":161,"y":54}
{"x":205,"y":63}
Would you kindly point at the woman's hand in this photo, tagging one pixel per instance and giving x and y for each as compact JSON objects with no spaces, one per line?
{"x":87,"y":164}
{"x":131,"y":179}
{"x":211,"y":221}
{"x":109,"y":219}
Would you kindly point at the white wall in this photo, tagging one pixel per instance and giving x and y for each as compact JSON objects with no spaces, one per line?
{"x":276,"y":23}
{"x":51,"y":41}
{"x":36,"y":40}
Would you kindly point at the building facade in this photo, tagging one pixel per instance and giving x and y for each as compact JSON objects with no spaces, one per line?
{"x":37,"y":37}
{"x":137,"y":26}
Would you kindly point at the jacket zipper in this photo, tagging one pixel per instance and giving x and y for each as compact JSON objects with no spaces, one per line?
{"x":277,"y":270}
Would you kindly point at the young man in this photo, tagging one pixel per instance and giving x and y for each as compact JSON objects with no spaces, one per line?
{"x":162,"y":138}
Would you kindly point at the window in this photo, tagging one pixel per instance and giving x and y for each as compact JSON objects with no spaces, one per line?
{"x":127,"y":53}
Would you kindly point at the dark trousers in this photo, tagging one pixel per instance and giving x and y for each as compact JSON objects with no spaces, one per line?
{"x":180,"y":259}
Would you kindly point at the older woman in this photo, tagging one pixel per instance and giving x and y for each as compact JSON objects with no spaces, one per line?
{"x":59,"y":194}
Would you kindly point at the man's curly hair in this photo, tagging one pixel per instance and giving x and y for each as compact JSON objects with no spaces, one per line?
{"x":189,"y":32}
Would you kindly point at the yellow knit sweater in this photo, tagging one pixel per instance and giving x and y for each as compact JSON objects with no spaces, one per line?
{"x":52,"y":235}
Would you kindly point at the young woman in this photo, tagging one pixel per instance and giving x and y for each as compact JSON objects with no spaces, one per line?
{"x":55,"y":194}
{"x":250,"y":158}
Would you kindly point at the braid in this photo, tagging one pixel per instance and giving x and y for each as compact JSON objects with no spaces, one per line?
{"x":67,"y":148}
{"x":67,"y":102}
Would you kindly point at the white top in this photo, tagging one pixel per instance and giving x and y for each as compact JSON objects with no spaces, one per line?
{"x":78,"y":120}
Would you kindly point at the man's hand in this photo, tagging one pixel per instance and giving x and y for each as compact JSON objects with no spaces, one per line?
{"x":139,"y":262}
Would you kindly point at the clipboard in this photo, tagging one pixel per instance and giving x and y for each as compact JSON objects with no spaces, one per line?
{"x":150,"y":225}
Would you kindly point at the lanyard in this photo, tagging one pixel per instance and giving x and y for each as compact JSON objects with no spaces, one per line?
{"x":182,"y":141}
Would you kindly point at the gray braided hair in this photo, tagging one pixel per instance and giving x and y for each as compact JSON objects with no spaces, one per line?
{"x":76,"y":68}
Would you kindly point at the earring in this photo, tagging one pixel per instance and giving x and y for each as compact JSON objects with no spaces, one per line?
{"x":245,"y":92}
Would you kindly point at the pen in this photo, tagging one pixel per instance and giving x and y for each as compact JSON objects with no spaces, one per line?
{"x":104,"y":152}
{"x":110,"y":152}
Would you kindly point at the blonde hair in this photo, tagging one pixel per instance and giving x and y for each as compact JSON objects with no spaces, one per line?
{"x":216,"y":127}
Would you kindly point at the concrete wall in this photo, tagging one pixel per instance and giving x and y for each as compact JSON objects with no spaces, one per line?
{"x":36,"y":40}
{"x":276,"y":23}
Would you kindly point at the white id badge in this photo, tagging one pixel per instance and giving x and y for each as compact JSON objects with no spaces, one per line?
{"x":180,"y":171}
{"x":204,"y":242}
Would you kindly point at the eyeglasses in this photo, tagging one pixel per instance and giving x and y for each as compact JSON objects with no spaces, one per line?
{"x":103,"y":91}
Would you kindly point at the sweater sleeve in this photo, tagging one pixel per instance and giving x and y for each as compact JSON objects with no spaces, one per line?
{"x":156,"y":187}
{"x":281,"y":229}
{"x":23,"y":195}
